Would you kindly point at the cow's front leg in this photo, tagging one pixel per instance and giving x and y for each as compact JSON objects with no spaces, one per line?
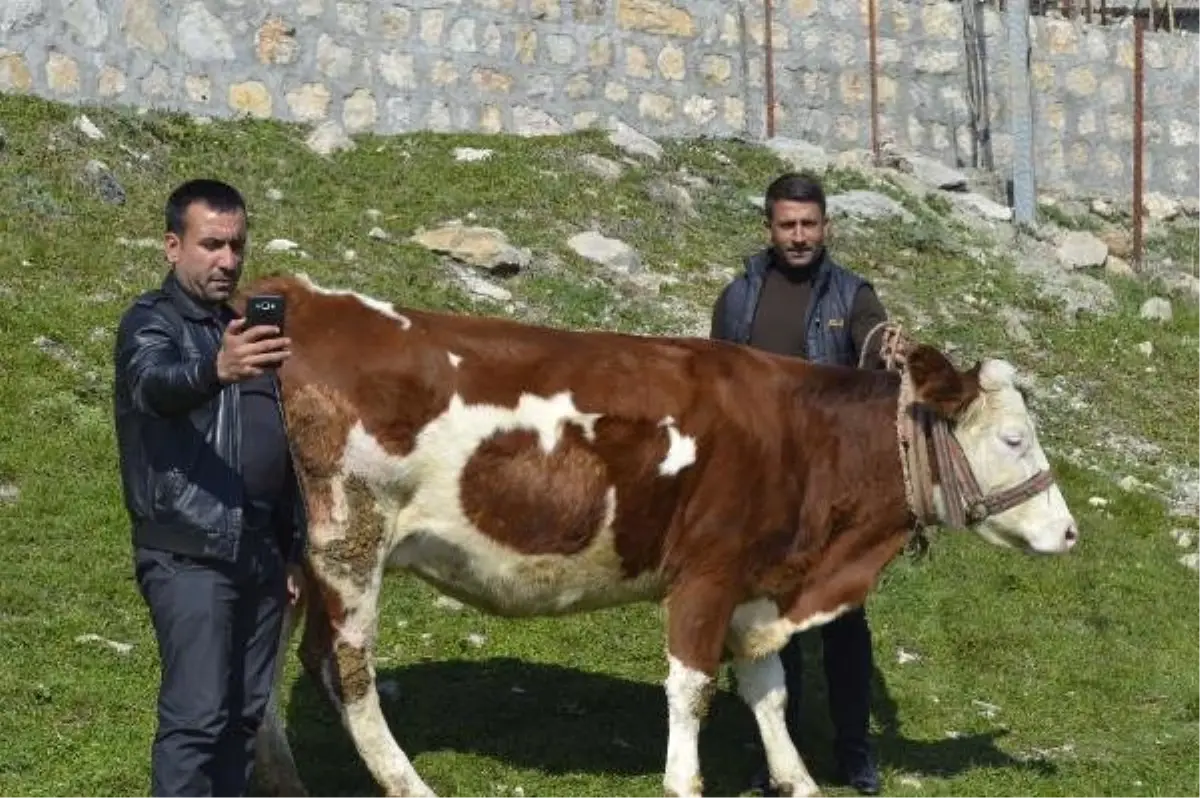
{"x":762,"y":686}
{"x":346,"y":557}
{"x":697,"y":620}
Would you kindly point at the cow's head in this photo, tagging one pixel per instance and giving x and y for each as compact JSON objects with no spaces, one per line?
{"x":991,"y":423}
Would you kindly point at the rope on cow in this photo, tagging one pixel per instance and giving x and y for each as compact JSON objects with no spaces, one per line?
{"x":912,"y":429}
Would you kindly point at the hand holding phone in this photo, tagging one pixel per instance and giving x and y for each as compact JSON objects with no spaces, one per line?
{"x":255,"y":343}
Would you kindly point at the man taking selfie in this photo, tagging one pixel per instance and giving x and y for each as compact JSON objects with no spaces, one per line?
{"x":216,"y":514}
{"x":793,"y":299}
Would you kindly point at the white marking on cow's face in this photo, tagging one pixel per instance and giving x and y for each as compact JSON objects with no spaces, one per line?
{"x":430,"y":534}
{"x":758,"y":629}
{"x":379,"y":306}
{"x":454,"y":359}
{"x":686,"y":707}
{"x":681,"y":451}
{"x":1000,"y":442}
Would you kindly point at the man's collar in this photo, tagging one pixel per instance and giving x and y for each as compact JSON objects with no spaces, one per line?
{"x":187,"y":304}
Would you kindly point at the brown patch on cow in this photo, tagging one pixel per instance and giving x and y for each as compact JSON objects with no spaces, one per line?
{"x":324,"y":609}
{"x":356,"y":554}
{"x":533,"y":501}
{"x":939,"y":385}
{"x":353,"y":676}
{"x":646,"y":501}
{"x":318,"y":425}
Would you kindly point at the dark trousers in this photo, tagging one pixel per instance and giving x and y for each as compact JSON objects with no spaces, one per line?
{"x":847,"y":654}
{"x":218,"y":628}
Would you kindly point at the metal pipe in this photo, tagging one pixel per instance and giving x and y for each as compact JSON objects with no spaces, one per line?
{"x":1139,"y":28}
{"x":769,"y":68}
{"x":872,"y":57}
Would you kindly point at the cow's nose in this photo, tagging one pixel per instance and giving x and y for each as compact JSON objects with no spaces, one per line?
{"x":1072,"y":534}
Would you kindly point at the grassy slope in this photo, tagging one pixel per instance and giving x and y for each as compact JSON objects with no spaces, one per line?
{"x":1090,"y":660}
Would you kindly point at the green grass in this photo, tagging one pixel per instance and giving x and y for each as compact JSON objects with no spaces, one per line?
{"x":1091,"y":660}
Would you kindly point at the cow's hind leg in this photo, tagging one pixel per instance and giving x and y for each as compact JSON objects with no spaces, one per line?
{"x":338,"y":649}
{"x":761,"y":685}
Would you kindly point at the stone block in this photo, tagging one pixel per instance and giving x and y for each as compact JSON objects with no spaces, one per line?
{"x":438,"y":118}
{"x":461,"y":38}
{"x":1087,"y":123}
{"x":139,"y":20}
{"x":444,"y":73}
{"x":526,"y":45}
{"x":395,"y":23}
{"x":1062,"y":36}
{"x":937,"y":62}
{"x":275,"y":42}
{"x":1120,"y":127}
{"x":545,"y":9}
{"x":333,"y":60}
{"x":359,"y":111}
{"x":433,"y":20}
{"x":202,"y":35}
{"x":655,"y":16}
{"x":490,"y":80}
{"x":352,"y":17}
{"x":561,"y":48}
{"x":846,"y":128}
{"x":1112,"y":89}
{"x":1042,"y":74}
{"x":580,"y":86}
{"x":311,"y":8}
{"x":637,"y":63}
{"x":780,"y":39}
{"x":14,"y":73}
{"x":701,"y":110}
{"x":156,"y":83}
{"x":657,"y":107}
{"x":250,"y":98}
{"x":1181,"y":133}
{"x":731,"y":30}
{"x":491,"y":120}
{"x":941,"y":21}
{"x":615,"y":92}
{"x":198,"y":88}
{"x":1055,"y":117}
{"x":671,"y":62}
{"x":397,"y":69}
{"x":110,"y":83}
{"x":529,"y":121}
{"x":584,"y":120}
{"x":717,"y":70}
{"x":801,"y":9}
{"x":590,"y":12}
{"x":309,"y":102}
{"x":493,"y":39}
{"x":1081,"y":81}
{"x":600,"y":52}
{"x":62,"y":74}
{"x":853,"y":88}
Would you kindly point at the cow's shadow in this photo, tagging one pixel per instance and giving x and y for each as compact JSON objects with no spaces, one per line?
{"x":560,"y":720}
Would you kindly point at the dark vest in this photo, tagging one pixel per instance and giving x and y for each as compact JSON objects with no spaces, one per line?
{"x":833,"y":292}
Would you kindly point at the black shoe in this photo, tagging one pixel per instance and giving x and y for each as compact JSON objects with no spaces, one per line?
{"x":859,"y":769}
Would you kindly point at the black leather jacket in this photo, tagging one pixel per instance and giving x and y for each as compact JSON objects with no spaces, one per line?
{"x":179,"y":432}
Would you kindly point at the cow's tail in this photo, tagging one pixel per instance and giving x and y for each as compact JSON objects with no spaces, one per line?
{"x":275,"y":768}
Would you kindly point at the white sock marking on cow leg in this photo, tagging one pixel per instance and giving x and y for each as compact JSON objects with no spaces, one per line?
{"x":685,"y":707}
{"x":761,"y":685}
{"x":361,"y":711}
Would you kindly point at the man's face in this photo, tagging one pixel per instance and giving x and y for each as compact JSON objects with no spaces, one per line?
{"x":208,"y":257}
{"x":797,"y":232}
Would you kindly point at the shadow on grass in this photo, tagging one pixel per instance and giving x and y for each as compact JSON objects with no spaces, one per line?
{"x":560,"y":720}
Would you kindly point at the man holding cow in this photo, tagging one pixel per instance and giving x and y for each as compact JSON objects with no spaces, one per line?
{"x":793,"y":299}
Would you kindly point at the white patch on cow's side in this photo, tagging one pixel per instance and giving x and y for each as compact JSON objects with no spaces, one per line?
{"x":454,"y":359}
{"x":685,"y":699}
{"x":762,"y":686}
{"x":379,"y":306}
{"x":681,"y":450}
{"x":428,"y":532}
{"x":756,"y":628}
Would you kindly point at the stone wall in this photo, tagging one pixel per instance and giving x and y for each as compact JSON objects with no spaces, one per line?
{"x":668,"y":68}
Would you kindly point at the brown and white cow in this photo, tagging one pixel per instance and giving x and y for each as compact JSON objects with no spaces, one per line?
{"x":530,"y":471}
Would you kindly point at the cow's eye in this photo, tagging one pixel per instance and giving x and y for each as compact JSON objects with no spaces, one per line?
{"x":1014,"y":438}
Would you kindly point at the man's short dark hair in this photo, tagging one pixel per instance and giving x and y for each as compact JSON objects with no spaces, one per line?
{"x":219,"y":196}
{"x":794,"y":187}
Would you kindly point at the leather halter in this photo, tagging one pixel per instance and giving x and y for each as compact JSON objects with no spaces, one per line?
{"x":920,"y":430}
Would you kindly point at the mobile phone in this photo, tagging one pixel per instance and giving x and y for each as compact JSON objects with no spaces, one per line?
{"x":265,"y":309}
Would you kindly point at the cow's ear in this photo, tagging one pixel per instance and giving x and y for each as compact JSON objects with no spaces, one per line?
{"x":940,"y":386}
